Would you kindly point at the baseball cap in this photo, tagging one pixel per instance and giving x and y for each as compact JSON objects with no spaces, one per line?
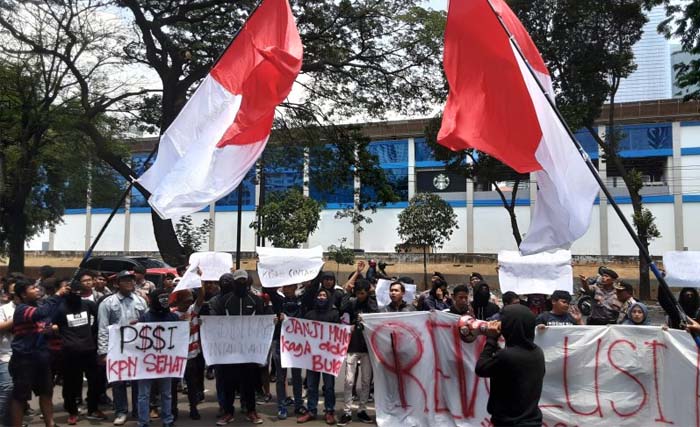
{"x":124,"y":274}
{"x":240,"y":274}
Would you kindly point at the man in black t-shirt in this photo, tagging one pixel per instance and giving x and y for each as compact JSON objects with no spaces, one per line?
{"x":76,"y":320}
{"x":562,"y":312}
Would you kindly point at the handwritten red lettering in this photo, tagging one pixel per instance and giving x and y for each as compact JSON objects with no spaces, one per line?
{"x":654,"y":345}
{"x":122,"y":368}
{"x":164,"y":364}
{"x":628,"y":374}
{"x":597,"y":410}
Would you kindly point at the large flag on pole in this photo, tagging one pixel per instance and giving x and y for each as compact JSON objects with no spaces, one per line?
{"x":496,"y":106}
{"x":224,"y":127}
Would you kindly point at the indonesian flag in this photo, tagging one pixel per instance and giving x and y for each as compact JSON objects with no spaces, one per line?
{"x":224,"y":127}
{"x":496,"y":106}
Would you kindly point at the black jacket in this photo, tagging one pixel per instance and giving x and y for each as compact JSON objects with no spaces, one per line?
{"x":309,"y":297}
{"x":354,"y":308}
{"x":230,"y":304}
{"x":330,"y":315}
{"x":290,"y":307}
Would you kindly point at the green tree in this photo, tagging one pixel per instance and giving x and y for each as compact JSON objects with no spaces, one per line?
{"x":341,"y":254}
{"x":192,"y":237}
{"x":289,"y":218}
{"x":427,"y":222}
{"x":683,"y":24}
{"x":571,"y":32}
{"x":362,"y":58}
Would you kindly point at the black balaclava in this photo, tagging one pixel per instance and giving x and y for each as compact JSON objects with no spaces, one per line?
{"x":323,"y":305}
{"x":226,"y":283}
{"x":482,"y":295}
{"x":518,"y":326}
{"x":689,"y":303}
{"x":159,"y":301}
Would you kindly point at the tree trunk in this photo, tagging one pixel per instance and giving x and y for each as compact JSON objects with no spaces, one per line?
{"x":425,"y":267}
{"x":510,"y":207}
{"x":169,"y":247}
{"x":16,"y":236}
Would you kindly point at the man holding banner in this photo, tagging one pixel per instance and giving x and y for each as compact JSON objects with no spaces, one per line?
{"x":121,"y":308}
{"x":323,"y":311}
{"x":236,"y":299}
{"x":159,"y":311}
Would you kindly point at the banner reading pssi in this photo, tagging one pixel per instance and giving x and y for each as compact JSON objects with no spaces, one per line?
{"x":147,"y":350}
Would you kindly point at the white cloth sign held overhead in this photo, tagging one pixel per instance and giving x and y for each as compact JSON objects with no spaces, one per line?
{"x":682,"y":268}
{"x":280,"y":267}
{"x":541,"y":273}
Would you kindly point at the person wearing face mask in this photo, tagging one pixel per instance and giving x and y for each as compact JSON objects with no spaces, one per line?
{"x":158,"y":311}
{"x":323,"y":311}
{"x":516,"y":371}
{"x":482,"y":307}
{"x":236,"y":299}
{"x":76,"y":321}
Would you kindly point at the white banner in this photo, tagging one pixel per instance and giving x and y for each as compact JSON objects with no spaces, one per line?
{"x":189,"y":280}
{"x":596,"y":376}
{"x":682,"y":268}
{"x":212,"y":264}
{"x":318,"y":346}
{"x":147,"y":350}
{"x":280,"y":267}
{"x":382,"y":292}
{"x":541,"y":273}
{"x":236,"y":339}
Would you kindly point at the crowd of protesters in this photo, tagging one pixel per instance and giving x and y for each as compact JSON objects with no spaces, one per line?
{"x":55,"y":332}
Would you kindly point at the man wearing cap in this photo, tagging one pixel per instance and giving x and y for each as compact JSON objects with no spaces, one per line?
{"x":625,"y":294}
{"x":561,"y":314}
{"x":236,"y":299}
{"x":122,"y":308}
{"x":607,"y":307}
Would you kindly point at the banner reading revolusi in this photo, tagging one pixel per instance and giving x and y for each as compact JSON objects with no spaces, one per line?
{"x":596,"y":376}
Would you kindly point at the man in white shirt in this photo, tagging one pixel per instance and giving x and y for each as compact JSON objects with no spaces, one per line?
{"x":6,"y":313}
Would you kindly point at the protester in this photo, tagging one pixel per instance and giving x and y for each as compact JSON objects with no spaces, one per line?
{"x":335,"y":293}
{"x":169,"y":281}
{"x":159,"y":311}
{"x":638,"y":314}
{"x":7,"y":312}
{"x":29,"y":364}
{"x":562,"y":312}
{"x":236,"y":299}
{"x":188,"y":309}
{"x":45,"y":272}
{"x":397,"y":290}
{"x":122,"y":308}
{"x":625,"y":294}
{"x":76,"y":318}
{"x":288,"y":304}
{"x":461,"y":300}
{"x":607,"y":307}
{"x":510,"y":297}
{"x":357,"y":301}
{"x":482,"y":307}
{"x":436,"y":298}
{"x":87,"y":283}
{"x":516,"y":372}
{"x":101,"y":289}
{"x":323,"y":311}
{"x":688,"y":299}
{"x":143,"y":287}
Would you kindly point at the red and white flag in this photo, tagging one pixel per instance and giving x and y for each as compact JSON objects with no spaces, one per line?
{"x":224,"y":127}
{"x":496,"y":107}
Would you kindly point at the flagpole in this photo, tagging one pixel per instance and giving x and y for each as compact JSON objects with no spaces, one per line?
{"x":663,"y":286}
{"x":132,"y":176}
